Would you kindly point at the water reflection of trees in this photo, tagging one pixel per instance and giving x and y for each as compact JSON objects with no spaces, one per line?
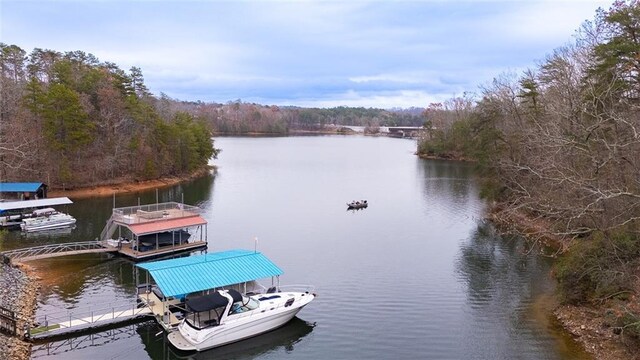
{"x":501,"y":279}
{"x":448,"y":184}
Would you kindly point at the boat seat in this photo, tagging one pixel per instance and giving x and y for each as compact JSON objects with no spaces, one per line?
{"x":157,"y":292}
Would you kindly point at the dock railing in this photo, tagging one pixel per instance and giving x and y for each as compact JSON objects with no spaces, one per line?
{"x":66,"y":345}
{"x":154,"y":212}
{"x":8,"y":321}
{"x":298,"y":288}
{"x":52,"y":250}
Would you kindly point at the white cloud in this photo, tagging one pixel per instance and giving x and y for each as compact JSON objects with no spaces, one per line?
{"x":387,"y":100}
{"x":320,"y":53}
{"x":547,"y":22}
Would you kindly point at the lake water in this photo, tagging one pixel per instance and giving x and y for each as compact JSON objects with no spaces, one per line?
{"x":416,"y":275}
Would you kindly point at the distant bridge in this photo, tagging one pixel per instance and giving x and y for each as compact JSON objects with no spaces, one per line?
{"x":395,"y":131}
{"x":404,"y":131}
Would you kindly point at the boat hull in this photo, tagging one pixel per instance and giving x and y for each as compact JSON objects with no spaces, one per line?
{"x":49,"y":226}
{"x":263,"y":320}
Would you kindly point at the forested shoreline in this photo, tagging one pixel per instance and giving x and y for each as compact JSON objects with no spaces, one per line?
{"x":559,"y":145}
{"x":240,"y":118}
{"x":69,"y":120}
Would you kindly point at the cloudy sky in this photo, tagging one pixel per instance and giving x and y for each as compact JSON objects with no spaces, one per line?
{"x":308,"y":53}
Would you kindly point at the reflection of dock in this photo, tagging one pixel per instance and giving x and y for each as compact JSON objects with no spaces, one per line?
{"x":65,"y":346}
{"x":144,"y":232}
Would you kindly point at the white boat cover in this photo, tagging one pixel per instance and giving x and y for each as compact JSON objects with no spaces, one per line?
{"x":31,"y":204}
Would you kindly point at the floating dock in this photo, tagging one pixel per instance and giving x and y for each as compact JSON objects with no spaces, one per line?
{"x":149,"y":231}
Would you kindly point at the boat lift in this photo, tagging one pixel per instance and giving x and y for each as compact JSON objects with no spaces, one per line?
{"x":13,"y":212}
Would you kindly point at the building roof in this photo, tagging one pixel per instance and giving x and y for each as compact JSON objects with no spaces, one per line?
{"x":32,"y":204}
{"x":166,"y":225}
{"x":203,"y":272}
{"x":19,"y":187}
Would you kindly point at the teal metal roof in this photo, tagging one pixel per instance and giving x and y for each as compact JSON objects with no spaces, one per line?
{"x":202,"y":272}
{"x":19,"y":187}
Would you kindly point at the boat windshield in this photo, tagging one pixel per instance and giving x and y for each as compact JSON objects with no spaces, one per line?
{"x":247,"y":304}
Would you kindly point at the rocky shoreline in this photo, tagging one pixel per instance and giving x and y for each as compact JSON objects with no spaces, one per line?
{"x":593,"y":328}
{"x":128,"y":186}
{"x":18,"y":292}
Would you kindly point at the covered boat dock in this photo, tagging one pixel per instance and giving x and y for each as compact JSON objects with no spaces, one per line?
{"x":147,"y":231}
{"x":23,"y":190}
{"x":175,"y":279}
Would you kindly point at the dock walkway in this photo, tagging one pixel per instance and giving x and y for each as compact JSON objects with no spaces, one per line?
{"x":55,"y":250}
{"x":68,"y":322}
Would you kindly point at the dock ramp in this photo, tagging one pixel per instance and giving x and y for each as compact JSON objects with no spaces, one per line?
{"x":56,"y":250}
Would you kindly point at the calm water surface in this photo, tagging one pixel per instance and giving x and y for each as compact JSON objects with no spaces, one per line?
{"x":417,"y":275}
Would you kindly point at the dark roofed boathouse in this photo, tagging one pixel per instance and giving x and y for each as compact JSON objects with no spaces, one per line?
{"x":22,"y":190}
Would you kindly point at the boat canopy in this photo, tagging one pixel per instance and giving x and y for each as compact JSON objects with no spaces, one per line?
{"x":209,"y":271}
{"x":212,"y":301}
{"x":236,"y":296}
{"x":29,"y":204}
{"x":207,"y":302}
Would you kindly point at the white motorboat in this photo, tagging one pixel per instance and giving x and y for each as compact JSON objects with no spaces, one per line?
{"x":213,"y":299}
{"x":48,"y":221}
{"x":226,"y":316}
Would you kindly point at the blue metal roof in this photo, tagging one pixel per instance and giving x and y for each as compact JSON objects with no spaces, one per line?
{"x":202,"y":272}
{"x":19,"y":187}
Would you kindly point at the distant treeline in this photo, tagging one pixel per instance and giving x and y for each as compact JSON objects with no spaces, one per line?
{"x":239,"y":117}
{"x":560,"y":145}
{"x":70,"y":120}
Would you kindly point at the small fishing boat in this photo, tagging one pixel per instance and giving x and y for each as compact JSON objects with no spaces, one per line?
{"x":357,"y":204}
{"x":47,"y":219}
